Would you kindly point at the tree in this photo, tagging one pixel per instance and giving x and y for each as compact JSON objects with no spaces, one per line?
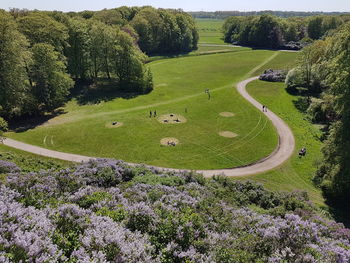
{"x":314,"y":28}
{"x":165,"y":31}
{"x":291,"y":33}
{"x":3,"y":126}
{"x":13,"y":55}
{"x":128,"y":65}
{"x":51,"y":83}
{"x":41,"y":28}
{"x":335,"y":169}
{"x":266,"y":32}
{"x":78,"y":50}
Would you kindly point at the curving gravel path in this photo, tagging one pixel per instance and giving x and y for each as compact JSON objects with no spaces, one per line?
{"x":281,"y":154}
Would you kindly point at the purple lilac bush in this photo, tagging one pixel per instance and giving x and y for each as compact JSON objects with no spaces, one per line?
{"x":8,"y":167}
{"x":104,"y":211}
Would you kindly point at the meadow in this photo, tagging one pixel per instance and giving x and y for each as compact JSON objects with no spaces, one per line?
{"x":210,"y":31}
{"x":296,"y":173}
{"x":180,"y":85}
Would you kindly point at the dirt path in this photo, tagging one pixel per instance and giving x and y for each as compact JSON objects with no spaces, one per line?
{"x":281,"y":154}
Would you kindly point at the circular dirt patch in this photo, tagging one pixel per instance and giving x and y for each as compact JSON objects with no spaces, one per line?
{"x":228,"y":134}
{"x":114,"y":124}
{"x":169,"y":141}
{"x":172,"y":119}
{"x":227,"y":114}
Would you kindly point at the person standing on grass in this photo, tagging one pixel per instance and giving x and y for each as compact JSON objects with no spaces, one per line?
{"x":155,"y":113}
{"x":150,"y":114}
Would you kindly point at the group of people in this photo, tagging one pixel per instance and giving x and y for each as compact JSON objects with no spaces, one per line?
{"x":264,"y":108}
{"x":170,"y":143}
{"x":154,"y":114}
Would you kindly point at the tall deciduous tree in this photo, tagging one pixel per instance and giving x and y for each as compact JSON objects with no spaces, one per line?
{"x":51,"y":83}
{"x":314,"y":28}
{"x":41,"y":28}
{"x":335,"y":170}
{"x":78,"y":50}
{"x":128,"y":65}
{"x":13,"y":55}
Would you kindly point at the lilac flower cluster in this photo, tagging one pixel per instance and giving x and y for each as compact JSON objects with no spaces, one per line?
{"x":8,"y":167}
{"x":98,"y":212}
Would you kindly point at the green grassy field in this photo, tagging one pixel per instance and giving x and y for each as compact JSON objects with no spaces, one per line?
{"x":210,"y":31}
{"x":179,"y":85}
{"x":29,"y":162}
{"x":297,"y":173}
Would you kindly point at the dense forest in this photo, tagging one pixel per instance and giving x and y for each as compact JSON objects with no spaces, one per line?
{"x":322,"y":75}
{"x":105,"y":211}
{"x":269,"y":31}
{"x":43,"y":55}
{"x":226,"y":14}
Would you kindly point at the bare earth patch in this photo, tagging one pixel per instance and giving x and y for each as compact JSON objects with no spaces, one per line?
{"x":228,"y":134}
{"x":169,"y":141}
{"x":172,"y":119}
{"x":162,"y":85}
{"x":227,"y":114}
{"x":114,"y":124}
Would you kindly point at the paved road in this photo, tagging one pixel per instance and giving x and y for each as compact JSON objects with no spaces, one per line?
{"x":282,"y":153}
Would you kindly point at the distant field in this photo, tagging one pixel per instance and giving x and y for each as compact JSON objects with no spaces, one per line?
{"x":210,"y":31}
{"x":179,"y":88}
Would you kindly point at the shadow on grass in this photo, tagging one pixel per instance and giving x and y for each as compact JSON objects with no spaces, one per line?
{"x":26,"y":123}
{"x":341,"y":213}
{"x":302,"y":104}
{"x":102,"y":90}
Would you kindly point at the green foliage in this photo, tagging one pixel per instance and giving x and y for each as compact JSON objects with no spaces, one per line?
{"x":50,"y":82}
{"x":314,"y":28}
{"x":335,"y":167}
{"x":264,"y":31}
{"x":3,"y":126}
{"x":13,"y":55}
{"x":165,"y":31}
{"x":30,"y":162}
{"x":318,"y":26}
{"x":117,"y":215}
{"x":274,"y":32}
{"x":323,"y":68}
{"x":297,"y":173}
{"x":41,"y":28}
{"x":88,"y":200}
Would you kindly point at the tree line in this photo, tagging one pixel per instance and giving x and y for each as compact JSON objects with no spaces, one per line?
{"x":285,"y":14}
{"x":44,"y":54}
{"x":323,"y":74}
{"x":159,"y":31}
{"x":269,"y":31}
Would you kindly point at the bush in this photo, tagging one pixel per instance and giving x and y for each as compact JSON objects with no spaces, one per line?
{"x":273,"y":75}
{"x":8,"y":167}
{"x":102,"y":211}
{"x":3,"y":126}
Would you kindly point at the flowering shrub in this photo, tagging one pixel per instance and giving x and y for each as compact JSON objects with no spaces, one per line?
{"x":8,"y":167}
{"x":104,"y":211}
